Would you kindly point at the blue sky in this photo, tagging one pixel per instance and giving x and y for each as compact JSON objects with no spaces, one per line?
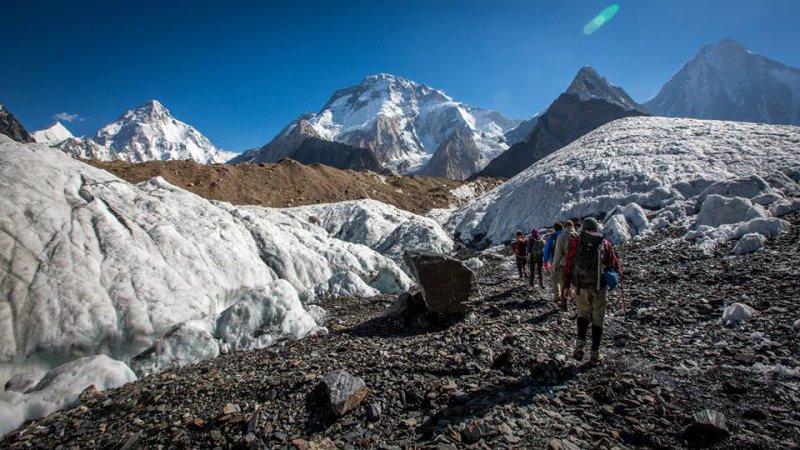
{"x":240,"y":70}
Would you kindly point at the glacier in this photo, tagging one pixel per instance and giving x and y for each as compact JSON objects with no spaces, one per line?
{"x":95,"y":265}
{"x":653,"y":162}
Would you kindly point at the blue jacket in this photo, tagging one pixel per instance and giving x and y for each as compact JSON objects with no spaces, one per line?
{"x":551,"y":241}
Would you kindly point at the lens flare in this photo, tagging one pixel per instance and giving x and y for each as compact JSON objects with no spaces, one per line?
{"x":604,"y":16}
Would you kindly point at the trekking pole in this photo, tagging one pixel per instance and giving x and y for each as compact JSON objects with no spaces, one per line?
{"x":622,"y":292}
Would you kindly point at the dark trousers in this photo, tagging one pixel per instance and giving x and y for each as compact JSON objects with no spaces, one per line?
{"x":521,"y":266}
{"x":536,"y":265}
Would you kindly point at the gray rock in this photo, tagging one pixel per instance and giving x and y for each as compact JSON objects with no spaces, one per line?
{"x":344,"y":391}
{"x":707,"y":427}
{"x":374,"y":411}
{"x":446,"y":283}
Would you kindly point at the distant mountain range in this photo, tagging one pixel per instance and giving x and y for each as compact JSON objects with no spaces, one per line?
{"x":387,"y":122}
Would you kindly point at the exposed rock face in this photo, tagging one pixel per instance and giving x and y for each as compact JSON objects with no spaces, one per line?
{"x":446,"y":283}
{"x":300,"y":142}
{"x":456,"y":159}
{"x":522,"y":131}
{"x":726,"y":81}
{"x":344,"y":391}
{"x":334,"y":154}
{"x":282,"y":145}
{"x":11,"y":127}
{"x":590,"y":102}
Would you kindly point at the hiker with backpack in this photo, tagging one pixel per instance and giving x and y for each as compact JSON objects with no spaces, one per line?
{"x":592,"y":267}
{"x":549,"y":253}
{"x":535,"y":250}
{"x":520,"y":254}
{"x":560,"y":257}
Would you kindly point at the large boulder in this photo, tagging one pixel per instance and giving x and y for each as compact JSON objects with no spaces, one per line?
{"x":707,"y":427}
{"x":344,"y":391}
{"x":446,"y":283}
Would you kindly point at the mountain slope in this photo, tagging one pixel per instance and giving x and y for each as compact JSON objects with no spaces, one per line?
{"x":402,"y":122}
{"x":590,"y":102}
{"x":651,"y":161}
{"x":457,"y":158}
{"x":54,"y":134}
{"x":726,"y":81}
{"x":146,"y":133}
{"x":11,"y":127}
{"x":300,"y":142}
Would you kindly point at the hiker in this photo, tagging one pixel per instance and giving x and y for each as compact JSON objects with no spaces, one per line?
{"x":520,"y":254}
{"x":589,"y":259}
{"x":549,"y":252}
{"x":560,"y":257}
{"x":535,"y":250}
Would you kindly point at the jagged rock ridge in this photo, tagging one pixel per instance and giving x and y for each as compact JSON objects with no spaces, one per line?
{"x":590,"y":102}
{"x":11,"y":127}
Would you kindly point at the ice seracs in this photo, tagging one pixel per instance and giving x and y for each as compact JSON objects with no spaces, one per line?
{"x":34,"y":395}
{"x":656,"y":163}
{"x":98,"y":265}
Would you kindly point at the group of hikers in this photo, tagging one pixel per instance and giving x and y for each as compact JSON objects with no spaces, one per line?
{"x":584,"y":261}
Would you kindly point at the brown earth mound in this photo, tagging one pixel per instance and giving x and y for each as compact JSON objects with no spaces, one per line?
{"x":289,"y":183}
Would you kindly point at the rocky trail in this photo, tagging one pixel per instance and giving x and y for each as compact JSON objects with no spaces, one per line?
{"x":503,"y":377}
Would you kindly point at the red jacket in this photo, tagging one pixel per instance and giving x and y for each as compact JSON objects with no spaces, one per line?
{"x":610,"y":260}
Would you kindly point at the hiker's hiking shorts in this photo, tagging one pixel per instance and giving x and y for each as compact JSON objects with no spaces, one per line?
{"x":591,"y":305}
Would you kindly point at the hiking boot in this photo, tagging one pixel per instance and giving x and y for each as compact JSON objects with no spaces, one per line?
{"x":597,"y":357}
{"x":578,"y":353}
{"x":563,"y":304}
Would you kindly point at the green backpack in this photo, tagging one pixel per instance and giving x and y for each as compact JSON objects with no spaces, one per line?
{"x":537,"y":249}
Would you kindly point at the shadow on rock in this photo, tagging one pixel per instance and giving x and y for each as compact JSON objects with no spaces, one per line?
{"x":408,"y":316}
{"x":320,"y":416}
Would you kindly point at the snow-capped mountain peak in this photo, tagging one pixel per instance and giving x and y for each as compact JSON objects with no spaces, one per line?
{"x":402,"y":122}
{"x":54,"y":134}
{"x":149,"y":132}
{"x":589,"y":84}
{"x":727,"y":81}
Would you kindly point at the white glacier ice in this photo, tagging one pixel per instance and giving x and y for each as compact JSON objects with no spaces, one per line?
{"x":97,"y":265}
{"x":60,"y":387}
{"x":103,"y":266}
{"x":257,"y":319}
{"x":654,"y":162}
{"x":749,"y":243}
